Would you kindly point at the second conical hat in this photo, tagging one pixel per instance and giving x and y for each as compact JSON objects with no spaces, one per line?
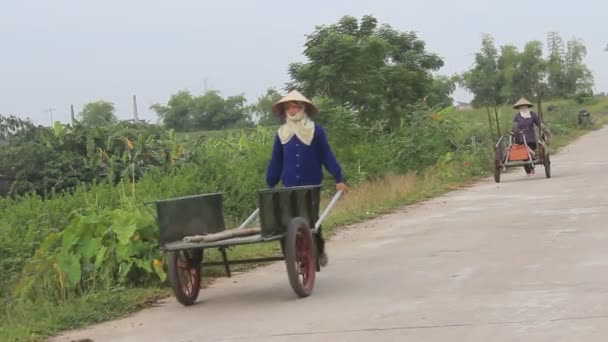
{"x":522,"y":102}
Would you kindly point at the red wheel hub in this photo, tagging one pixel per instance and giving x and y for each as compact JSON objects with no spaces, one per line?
{"x":304,"y":258}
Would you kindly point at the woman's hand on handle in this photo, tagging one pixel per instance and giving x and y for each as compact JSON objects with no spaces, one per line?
{"x":342,"y":187}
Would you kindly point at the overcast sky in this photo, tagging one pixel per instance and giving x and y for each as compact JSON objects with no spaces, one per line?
{"x":54,"y":53}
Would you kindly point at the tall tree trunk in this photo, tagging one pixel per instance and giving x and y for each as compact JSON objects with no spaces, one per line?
{"x":497,"y":120}
{"x":490,"y":120}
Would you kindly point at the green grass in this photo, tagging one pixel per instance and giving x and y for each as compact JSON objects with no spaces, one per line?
{"x":35,"y":322}
{"x":29,"y":322}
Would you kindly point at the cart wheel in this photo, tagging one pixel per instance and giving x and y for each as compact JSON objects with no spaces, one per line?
{"x":547,"y":164}
{"x":185,"y":274}
{"x":497,"y":166}
{"x":497,"y":173}
{"x":300,"y":257}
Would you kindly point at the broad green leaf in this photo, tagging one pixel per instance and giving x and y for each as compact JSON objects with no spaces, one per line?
{"x":48,"y":242}
{"x":70,"y":265}
{"x":88,"y":248}
{"x":159,"y":270}
{"x":124,"y":231}
{"x":123,"y":270}
{"x":57,"y":128}
{"x":45,"y":139}
{"x":144,"y":264}
{"x":124,"y":252}
{"x":90,"y":219}
{"x":69,"y":238}
{"x":100,"y":257}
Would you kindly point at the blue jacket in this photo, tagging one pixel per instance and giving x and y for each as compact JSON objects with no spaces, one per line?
{"x":527,"y":126}
{"x":296,"y":164}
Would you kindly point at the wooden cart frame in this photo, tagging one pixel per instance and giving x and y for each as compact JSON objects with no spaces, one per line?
{"x":507,"y":154}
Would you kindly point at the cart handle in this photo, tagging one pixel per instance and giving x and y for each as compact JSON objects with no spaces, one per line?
{"x":317,"y":225}
{"x":327,"y":209}
{"x":249,"y":219}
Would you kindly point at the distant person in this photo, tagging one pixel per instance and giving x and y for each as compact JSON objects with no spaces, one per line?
{"x":301,"y":150}
{"x":524,"y":121}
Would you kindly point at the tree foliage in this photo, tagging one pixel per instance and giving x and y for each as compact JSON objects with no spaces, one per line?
{"x":262,"y":109}
{"x":374,"y":69}
{"x":59,"y":158}
{"x":211,"y":111}
{"x":440,"y":93}
{"x":502,"y":78}
{"x":484,"y":80}
{"x":12,"y":127}
{"x":98,"y":113}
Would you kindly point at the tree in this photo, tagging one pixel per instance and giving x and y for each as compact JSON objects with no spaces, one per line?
{"x":176,"y":114}
{"x":555,"y":64}
{"x":211,"y":111}
{"x":568,"y":75}
{"x":483,"y":80}
{"x":577,"y":77}
{"x":13,"y":132}
{"x":12,"y":127}
{"x":377,"y":71}
{"x":441,"y":91}
{"x":98,"y":113}
{"x":532,"y":71}
{"x":262,"y":109}
{"x":508,"y":66}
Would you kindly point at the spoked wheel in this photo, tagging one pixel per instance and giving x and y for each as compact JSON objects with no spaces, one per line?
{"x":497,"y":173}
{"x":497,"y":167}
{"x":185,"y":274}
{"x":546,"y":160}
{"x":547,"y":164}
{"x":300,"y":258}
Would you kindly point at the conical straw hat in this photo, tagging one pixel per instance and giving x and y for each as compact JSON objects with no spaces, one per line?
{"x":295,"y":95}
{"x":522,"y":102}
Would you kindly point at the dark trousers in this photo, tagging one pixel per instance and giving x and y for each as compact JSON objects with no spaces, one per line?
{"x":528,"y":168}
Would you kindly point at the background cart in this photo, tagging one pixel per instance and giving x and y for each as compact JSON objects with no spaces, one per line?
{"x":508,"y":153}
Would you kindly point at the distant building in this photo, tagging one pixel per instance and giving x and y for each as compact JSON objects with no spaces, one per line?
{"x":141,"y":121}
{"x":463,"y":106}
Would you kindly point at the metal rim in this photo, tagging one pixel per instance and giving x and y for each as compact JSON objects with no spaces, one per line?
{"x":304,"y":258}
{"x":497,"y":166}
{"x":188,"y":277}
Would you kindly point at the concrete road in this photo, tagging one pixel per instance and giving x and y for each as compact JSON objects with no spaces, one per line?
{"x":523,"y":260}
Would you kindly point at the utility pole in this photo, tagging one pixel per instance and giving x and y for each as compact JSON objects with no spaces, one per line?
{"x":50,"y":110}
{"x":72,"y":116}
{"x":135,"y":114}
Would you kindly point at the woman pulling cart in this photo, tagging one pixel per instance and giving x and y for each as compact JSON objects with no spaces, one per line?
{"x":524,"y":122}
{"x":522,"y":147}
{"x":300,"y":151}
